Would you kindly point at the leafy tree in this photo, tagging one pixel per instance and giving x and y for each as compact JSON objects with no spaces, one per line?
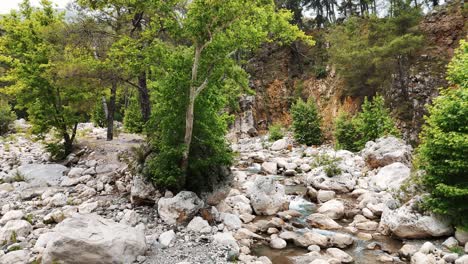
{"x":194,"y":79}
{"x":306,"y":122}
{"x":98,"y":116}
{"x":368,"y":52}
{"x":444,"y":145}
{"x":41,"y":72}
{"x":7,"y":116}
{"x":345,"y":132}
{"x":373,"y":122}
{"x":133,"y":120}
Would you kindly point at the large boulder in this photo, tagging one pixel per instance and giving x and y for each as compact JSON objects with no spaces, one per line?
{"x":14,"y":229}
{"x":226,"y":240}
{"x":333,"y":209}
{"x":322,"y":221}
{"x":385,"y":151}
{"x":270,"y":167}
{"x":279,"y":145}
{"x":180,"y":208}
{"x":143,"y":192}
{"x":266,"y":196}
{"x":406,"y":222}
{"x":41,"y":174}
{"x":390,"y":177}
{"x":15,"y":257}
{"x":84,"y":239}
{"x":342,"y":183}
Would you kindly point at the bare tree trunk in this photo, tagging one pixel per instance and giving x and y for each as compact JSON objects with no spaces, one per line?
{"x":145,"y":104}
{"x":111,"y":112}
{"x":190,"y":109}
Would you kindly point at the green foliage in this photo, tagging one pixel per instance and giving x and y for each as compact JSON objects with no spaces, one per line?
{"x":345,"y":132}
{"x":7,"y":116}
{"x":457,"y":249}
{"x":444,"y":145}
{"x":275,"y":132}
{"x":368,"y":51}
{"x":98,"y":116}
{"x":373,"y":122}
{"x":306,"y":122}
{"x":202,"y":69}
{"x":330,"y":164}
{"x":133,"y":120}
{"x":457,"y":70}
{"x":56,"y":150}
{"x":42,"y":70}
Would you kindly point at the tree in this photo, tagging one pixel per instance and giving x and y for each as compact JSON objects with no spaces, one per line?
{"x":345,"y":132}
{"x":41,"y":72}
{"x":373,"y":122}
{"x":306,"y":122}
{"x":7,"y":116}
{"x":133,"y":120}
{"x":193,"y":78}
{"x":444,"y":145}
{"x":369,"y":52}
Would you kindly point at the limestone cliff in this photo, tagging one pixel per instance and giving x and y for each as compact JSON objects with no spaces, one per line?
{"x":279,"y":75}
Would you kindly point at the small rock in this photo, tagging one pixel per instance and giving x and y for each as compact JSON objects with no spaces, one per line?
{"x":278,"y":243}
{"x":166,"y":238}
{"x":340,"y":255}
{"x":450,"y":242}
{"x":325,"y":196}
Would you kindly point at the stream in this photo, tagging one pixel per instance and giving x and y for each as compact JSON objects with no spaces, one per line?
{"x":359,"y":251}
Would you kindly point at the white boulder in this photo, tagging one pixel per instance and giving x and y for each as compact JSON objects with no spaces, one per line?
{"x":385,"y":151}
{"x":84,"y":239}
{"x":266,"y":196}
{"x":180,"y":208}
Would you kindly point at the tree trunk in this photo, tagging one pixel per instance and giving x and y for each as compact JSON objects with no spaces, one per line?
{"x":145,"y":104}
{"x":111,"y":112}
{"x":190,"y":110}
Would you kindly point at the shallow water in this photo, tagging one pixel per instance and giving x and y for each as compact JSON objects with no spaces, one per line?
{"x":358,"y":250}
{"x":278,"y":256}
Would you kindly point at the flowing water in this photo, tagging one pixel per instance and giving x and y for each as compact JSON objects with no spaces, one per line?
{"x":358,"y":250}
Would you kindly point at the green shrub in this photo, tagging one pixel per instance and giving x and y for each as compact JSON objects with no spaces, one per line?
{"x":306,"y":122}
{"x":98,"y":116}
{"x":443,"y":152}
{"x":276,"y":132}
{"x":133,"y":120}
{"x":56,"y":150}
{"x":320,"y":71}
{"x":329,"y":164}
{"x":373,"y":122}
{"x":345,"y":132}
{"x":7,"y":116}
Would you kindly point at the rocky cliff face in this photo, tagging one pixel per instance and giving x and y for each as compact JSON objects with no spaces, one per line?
{"x":282,"y":74}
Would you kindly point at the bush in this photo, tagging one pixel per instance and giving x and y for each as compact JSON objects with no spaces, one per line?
{"x":7,"y":116}
{"x":276,"y":132}
{"x":56,"y":150}
{"x":373,"y":122}
{"x":329,"y":164}
{"x":306,"y":122}
{"x":133,"y":120}
{"x":443,"y":152}
{"x":345,"y":132}
{"x":98,"y":116}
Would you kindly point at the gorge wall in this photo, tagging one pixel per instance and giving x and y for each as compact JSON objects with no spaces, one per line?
{"x":279,"y":75}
